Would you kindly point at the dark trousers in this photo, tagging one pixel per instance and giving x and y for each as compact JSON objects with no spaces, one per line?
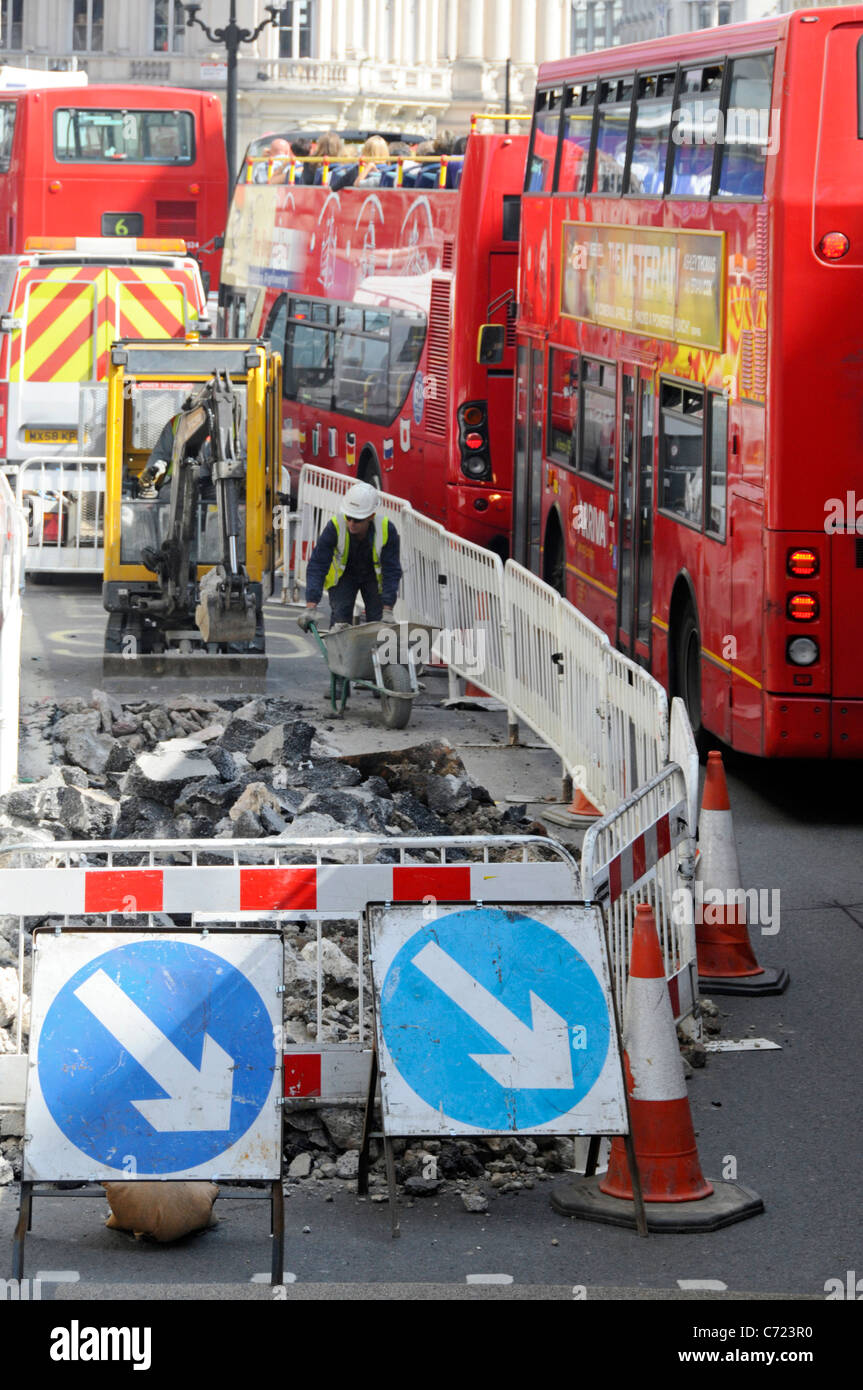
{"x":343,"y":596}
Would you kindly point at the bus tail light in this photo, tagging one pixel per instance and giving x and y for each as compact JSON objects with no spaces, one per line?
{"x":473,"y":440}
{"x":802,"y":563}
{"x":802,"y":651}
{"x":803,"y":608}
{"x":833,"y":246}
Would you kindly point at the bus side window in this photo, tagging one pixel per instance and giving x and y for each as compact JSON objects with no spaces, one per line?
{"x":681,"y":452}
{"x":612,"y":133}
{"x":598,"y":395}
{"x":8,"y":111}
{"x":650,"y":142}
{"x":577,"y":129}
{"x":696,"y":127}
{"x":747,"y":122}
{"x":562,"y":406}
{"x":543,"y":141}
{"x":274,"y":331}
{"x":718,"y":465}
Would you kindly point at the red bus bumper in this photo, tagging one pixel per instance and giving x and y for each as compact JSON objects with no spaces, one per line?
{"x":797,"y":727}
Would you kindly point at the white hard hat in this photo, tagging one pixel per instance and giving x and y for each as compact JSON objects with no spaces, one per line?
{"x":361,"y":501}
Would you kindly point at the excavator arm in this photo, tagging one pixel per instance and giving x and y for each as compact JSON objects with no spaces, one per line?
{"x":225,"y":607}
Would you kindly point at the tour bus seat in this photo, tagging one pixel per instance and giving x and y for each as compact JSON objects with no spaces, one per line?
{"x":453,"y":173}
{"x":344,"y":177}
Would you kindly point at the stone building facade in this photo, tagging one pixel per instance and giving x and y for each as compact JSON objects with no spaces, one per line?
{"x":422,"y":64}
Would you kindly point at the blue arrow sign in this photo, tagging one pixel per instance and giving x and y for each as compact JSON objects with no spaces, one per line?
{"x":494,"y":1019}
{"x":156,"y":1056}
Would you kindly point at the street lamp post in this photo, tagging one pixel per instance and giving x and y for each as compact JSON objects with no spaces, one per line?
{"x":232,"y":35}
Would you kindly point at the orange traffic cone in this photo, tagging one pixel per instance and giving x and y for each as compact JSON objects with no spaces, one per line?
{"x":726,"y":961}
{"x":580,"y":811}
{"x":662,"y":1130}
{"x":660,"y":1120}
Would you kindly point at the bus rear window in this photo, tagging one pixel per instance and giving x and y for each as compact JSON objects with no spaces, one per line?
{"x":90,"y":136}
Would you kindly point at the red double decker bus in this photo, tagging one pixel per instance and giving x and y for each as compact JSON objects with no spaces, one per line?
{"x":689,"y":392}
{"x":111,"y":161}
{"x":375,"y":294}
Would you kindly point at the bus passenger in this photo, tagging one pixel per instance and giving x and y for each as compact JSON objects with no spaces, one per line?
{"x":374,"y":150}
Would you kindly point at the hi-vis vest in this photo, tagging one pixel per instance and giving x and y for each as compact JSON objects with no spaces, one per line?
{"x":380,"y":535}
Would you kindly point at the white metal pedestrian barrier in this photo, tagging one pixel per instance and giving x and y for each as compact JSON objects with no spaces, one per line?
{"x":644,"y":851}
{"x":63,"y":500}
{"x":13,"y":535}
{"x":517,"y":639}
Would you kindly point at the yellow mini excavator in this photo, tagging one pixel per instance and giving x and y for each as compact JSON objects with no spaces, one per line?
{"x":193,"y":460}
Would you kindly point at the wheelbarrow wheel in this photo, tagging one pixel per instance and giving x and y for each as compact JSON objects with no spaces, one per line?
{"x":396,"y":713}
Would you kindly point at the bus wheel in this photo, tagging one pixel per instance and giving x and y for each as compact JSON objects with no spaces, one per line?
{"x":688,"y":663}
{"x":372,"y":474}
{"x":553,"y":562}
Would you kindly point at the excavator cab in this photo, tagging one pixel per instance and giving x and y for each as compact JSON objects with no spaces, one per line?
{"x":193,"y":459}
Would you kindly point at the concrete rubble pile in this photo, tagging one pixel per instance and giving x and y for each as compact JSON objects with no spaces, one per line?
{"x":188,"y":769}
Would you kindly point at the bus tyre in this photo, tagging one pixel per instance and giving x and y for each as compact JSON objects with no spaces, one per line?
{"x":688,"y":663}
{"x":372,"y":474}
{"x":396,"y":713}
{"x":554,"y":561}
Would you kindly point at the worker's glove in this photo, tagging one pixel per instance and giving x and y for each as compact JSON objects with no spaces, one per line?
{"x":311,"y":615}
{"x":149,"y":478}
{"x":388,"y":616}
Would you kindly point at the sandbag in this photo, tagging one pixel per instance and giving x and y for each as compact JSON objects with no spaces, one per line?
{"x":163,"y":1210}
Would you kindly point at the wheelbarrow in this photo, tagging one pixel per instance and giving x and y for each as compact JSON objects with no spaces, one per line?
{"x":359,"y":656}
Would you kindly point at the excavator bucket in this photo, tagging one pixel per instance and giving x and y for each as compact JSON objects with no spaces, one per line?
{"x":220,"y":620}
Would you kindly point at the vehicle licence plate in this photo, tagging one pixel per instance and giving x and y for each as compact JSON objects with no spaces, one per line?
{"x":51,"y":436}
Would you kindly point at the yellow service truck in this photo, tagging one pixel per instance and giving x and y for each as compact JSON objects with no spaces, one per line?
{"x":192,"y":469}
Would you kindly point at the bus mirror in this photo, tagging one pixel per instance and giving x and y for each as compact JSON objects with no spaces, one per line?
{"x":206,"y":281}
{"x":492,"y":341}
{"x":218,"y":242}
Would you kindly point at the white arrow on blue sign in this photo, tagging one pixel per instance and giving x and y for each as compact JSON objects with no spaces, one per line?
{"x":154,"y":1057}
{"x":496,"y":1020}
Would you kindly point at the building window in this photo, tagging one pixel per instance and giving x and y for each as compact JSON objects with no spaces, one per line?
{"x":595,"y":24}
{"x":169,"y":26}
{"x":709,"y":14}
{"x":87,"y":21}
{"x":11,"y":23}
{"x":295,"y":30}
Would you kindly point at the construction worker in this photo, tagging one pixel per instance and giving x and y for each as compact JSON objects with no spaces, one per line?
{"x":357,"y":552}
{"x":157,"y":470}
